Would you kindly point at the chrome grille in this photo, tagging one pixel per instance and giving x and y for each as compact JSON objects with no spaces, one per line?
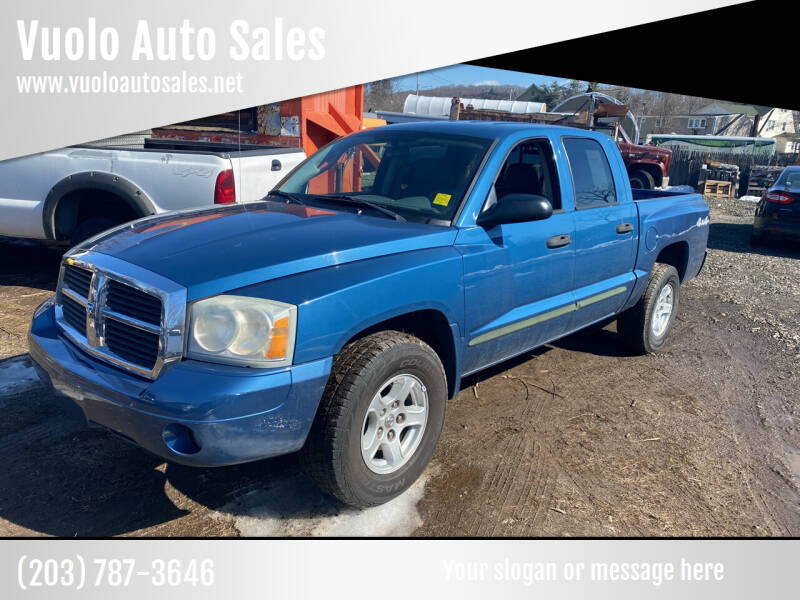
{"x":126,"y":315}
{"x":134,"y":345}
{"x":78,"y":280}
{"x":129,"y":301}
{"x":74,"y":314}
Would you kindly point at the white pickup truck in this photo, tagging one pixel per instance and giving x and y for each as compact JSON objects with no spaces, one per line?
{"x":71,"y":194}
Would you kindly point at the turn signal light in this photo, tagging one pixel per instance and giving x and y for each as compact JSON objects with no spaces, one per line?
{"x":280,"y":338}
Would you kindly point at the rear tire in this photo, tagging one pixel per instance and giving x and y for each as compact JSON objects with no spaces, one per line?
{"x":345,"y":453}
{"x":642,"y":180}
{"x":90,"y":228}
{"x":645,"y":327}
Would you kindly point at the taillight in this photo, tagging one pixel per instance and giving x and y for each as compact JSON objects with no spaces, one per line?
{"x":778,"y":197}
{"x":225,"y":189}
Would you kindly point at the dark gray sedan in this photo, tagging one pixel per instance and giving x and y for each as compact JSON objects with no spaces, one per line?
{"x":778,"y":212}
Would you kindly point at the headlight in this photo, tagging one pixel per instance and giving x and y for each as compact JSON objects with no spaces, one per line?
{"x":242,"y":331}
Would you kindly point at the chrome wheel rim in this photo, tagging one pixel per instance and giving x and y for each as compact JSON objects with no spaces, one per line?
{"x":663,"y":310}
{"x":394,"y":424}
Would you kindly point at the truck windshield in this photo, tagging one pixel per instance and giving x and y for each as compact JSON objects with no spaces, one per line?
{"x":421,"y":176}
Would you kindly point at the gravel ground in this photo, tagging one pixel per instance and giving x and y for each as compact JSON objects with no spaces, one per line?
{"x":764,"y":282}
{"x":578,"y":438}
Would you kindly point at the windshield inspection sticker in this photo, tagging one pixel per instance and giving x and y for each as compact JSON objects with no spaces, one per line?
{"x":442,"y":199}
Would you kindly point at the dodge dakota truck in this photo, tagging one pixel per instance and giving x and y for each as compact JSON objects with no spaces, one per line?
{"x":339,"y":315}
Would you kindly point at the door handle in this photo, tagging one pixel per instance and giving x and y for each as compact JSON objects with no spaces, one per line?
{"x":624,"y":228}
{"x":276,"y":165}
{"x":559,"y":241}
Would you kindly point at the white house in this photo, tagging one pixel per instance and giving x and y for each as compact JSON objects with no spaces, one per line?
{"x":730,"y":118}
{"x":725,"y":118}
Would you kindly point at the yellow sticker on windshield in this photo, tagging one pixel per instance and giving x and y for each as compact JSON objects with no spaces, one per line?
{"x":442,"y":199}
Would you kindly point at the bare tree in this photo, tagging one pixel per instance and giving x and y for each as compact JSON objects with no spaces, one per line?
{"x":381,"y":95}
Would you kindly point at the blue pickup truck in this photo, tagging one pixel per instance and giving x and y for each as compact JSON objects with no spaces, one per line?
{"x":339,"y":315}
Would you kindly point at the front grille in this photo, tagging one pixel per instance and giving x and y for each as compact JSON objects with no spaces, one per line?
{"x":131,"y":302}
{"x":131,"y":344}
{"x":74,"y":314}
{"x":78,"y":280}
{"x":116,"y":311}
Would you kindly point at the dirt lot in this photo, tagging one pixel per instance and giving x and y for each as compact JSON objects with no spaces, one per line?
{"x":575,"y":439}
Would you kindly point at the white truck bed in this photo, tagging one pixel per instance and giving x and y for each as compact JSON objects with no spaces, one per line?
{"x":145,"y":181}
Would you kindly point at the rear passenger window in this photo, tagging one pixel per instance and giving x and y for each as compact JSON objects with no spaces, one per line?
{"x":591,"y":174}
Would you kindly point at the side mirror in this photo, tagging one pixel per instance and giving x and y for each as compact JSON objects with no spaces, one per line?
{"x":516,"y":208}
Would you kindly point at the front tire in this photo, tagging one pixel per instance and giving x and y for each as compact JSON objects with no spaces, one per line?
{"x":379,"y":420}
{"x":645,"y":327}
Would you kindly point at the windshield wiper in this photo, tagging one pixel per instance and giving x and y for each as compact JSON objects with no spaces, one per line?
{"x":356,"y":201}
{"x":290,"y":197}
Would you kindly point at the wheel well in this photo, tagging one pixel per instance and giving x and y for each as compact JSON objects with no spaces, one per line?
{"x":433,"y":328}
{"x":677,"y":255}
{"x":654,"y":170}
{"x":79,"y":205}
{"x":92,"y":194}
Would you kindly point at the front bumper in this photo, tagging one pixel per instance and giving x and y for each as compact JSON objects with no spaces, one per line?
{"x":196,"y":413}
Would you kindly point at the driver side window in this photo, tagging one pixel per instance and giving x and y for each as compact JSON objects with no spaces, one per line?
{"x":529,"y":169}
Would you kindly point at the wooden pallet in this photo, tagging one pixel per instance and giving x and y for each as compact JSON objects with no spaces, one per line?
{"x":719,"y":189}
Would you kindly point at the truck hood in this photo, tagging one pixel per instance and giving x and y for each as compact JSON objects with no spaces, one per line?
{"x":221,"y":249}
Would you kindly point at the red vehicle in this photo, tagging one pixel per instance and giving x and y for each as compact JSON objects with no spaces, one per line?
{"x":647,"y":166}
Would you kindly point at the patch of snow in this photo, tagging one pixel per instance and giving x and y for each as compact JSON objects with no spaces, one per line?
{"x":294,"y":506}
{"x":17,"y":375}
{"x":753,"y":199}
{"x":793,"y":460}
{"x":686,"y":189}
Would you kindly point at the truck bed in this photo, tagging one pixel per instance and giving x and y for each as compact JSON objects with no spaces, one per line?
{"x":669,"y":218}
{"x":640,"y":194}
{"x":222,"y":150}
{"x":147,"y":180}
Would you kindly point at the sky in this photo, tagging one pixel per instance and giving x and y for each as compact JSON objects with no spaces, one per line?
{"x":470,"y":75}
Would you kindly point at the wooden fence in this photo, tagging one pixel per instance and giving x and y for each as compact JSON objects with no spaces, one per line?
{"x":686,"y":165}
